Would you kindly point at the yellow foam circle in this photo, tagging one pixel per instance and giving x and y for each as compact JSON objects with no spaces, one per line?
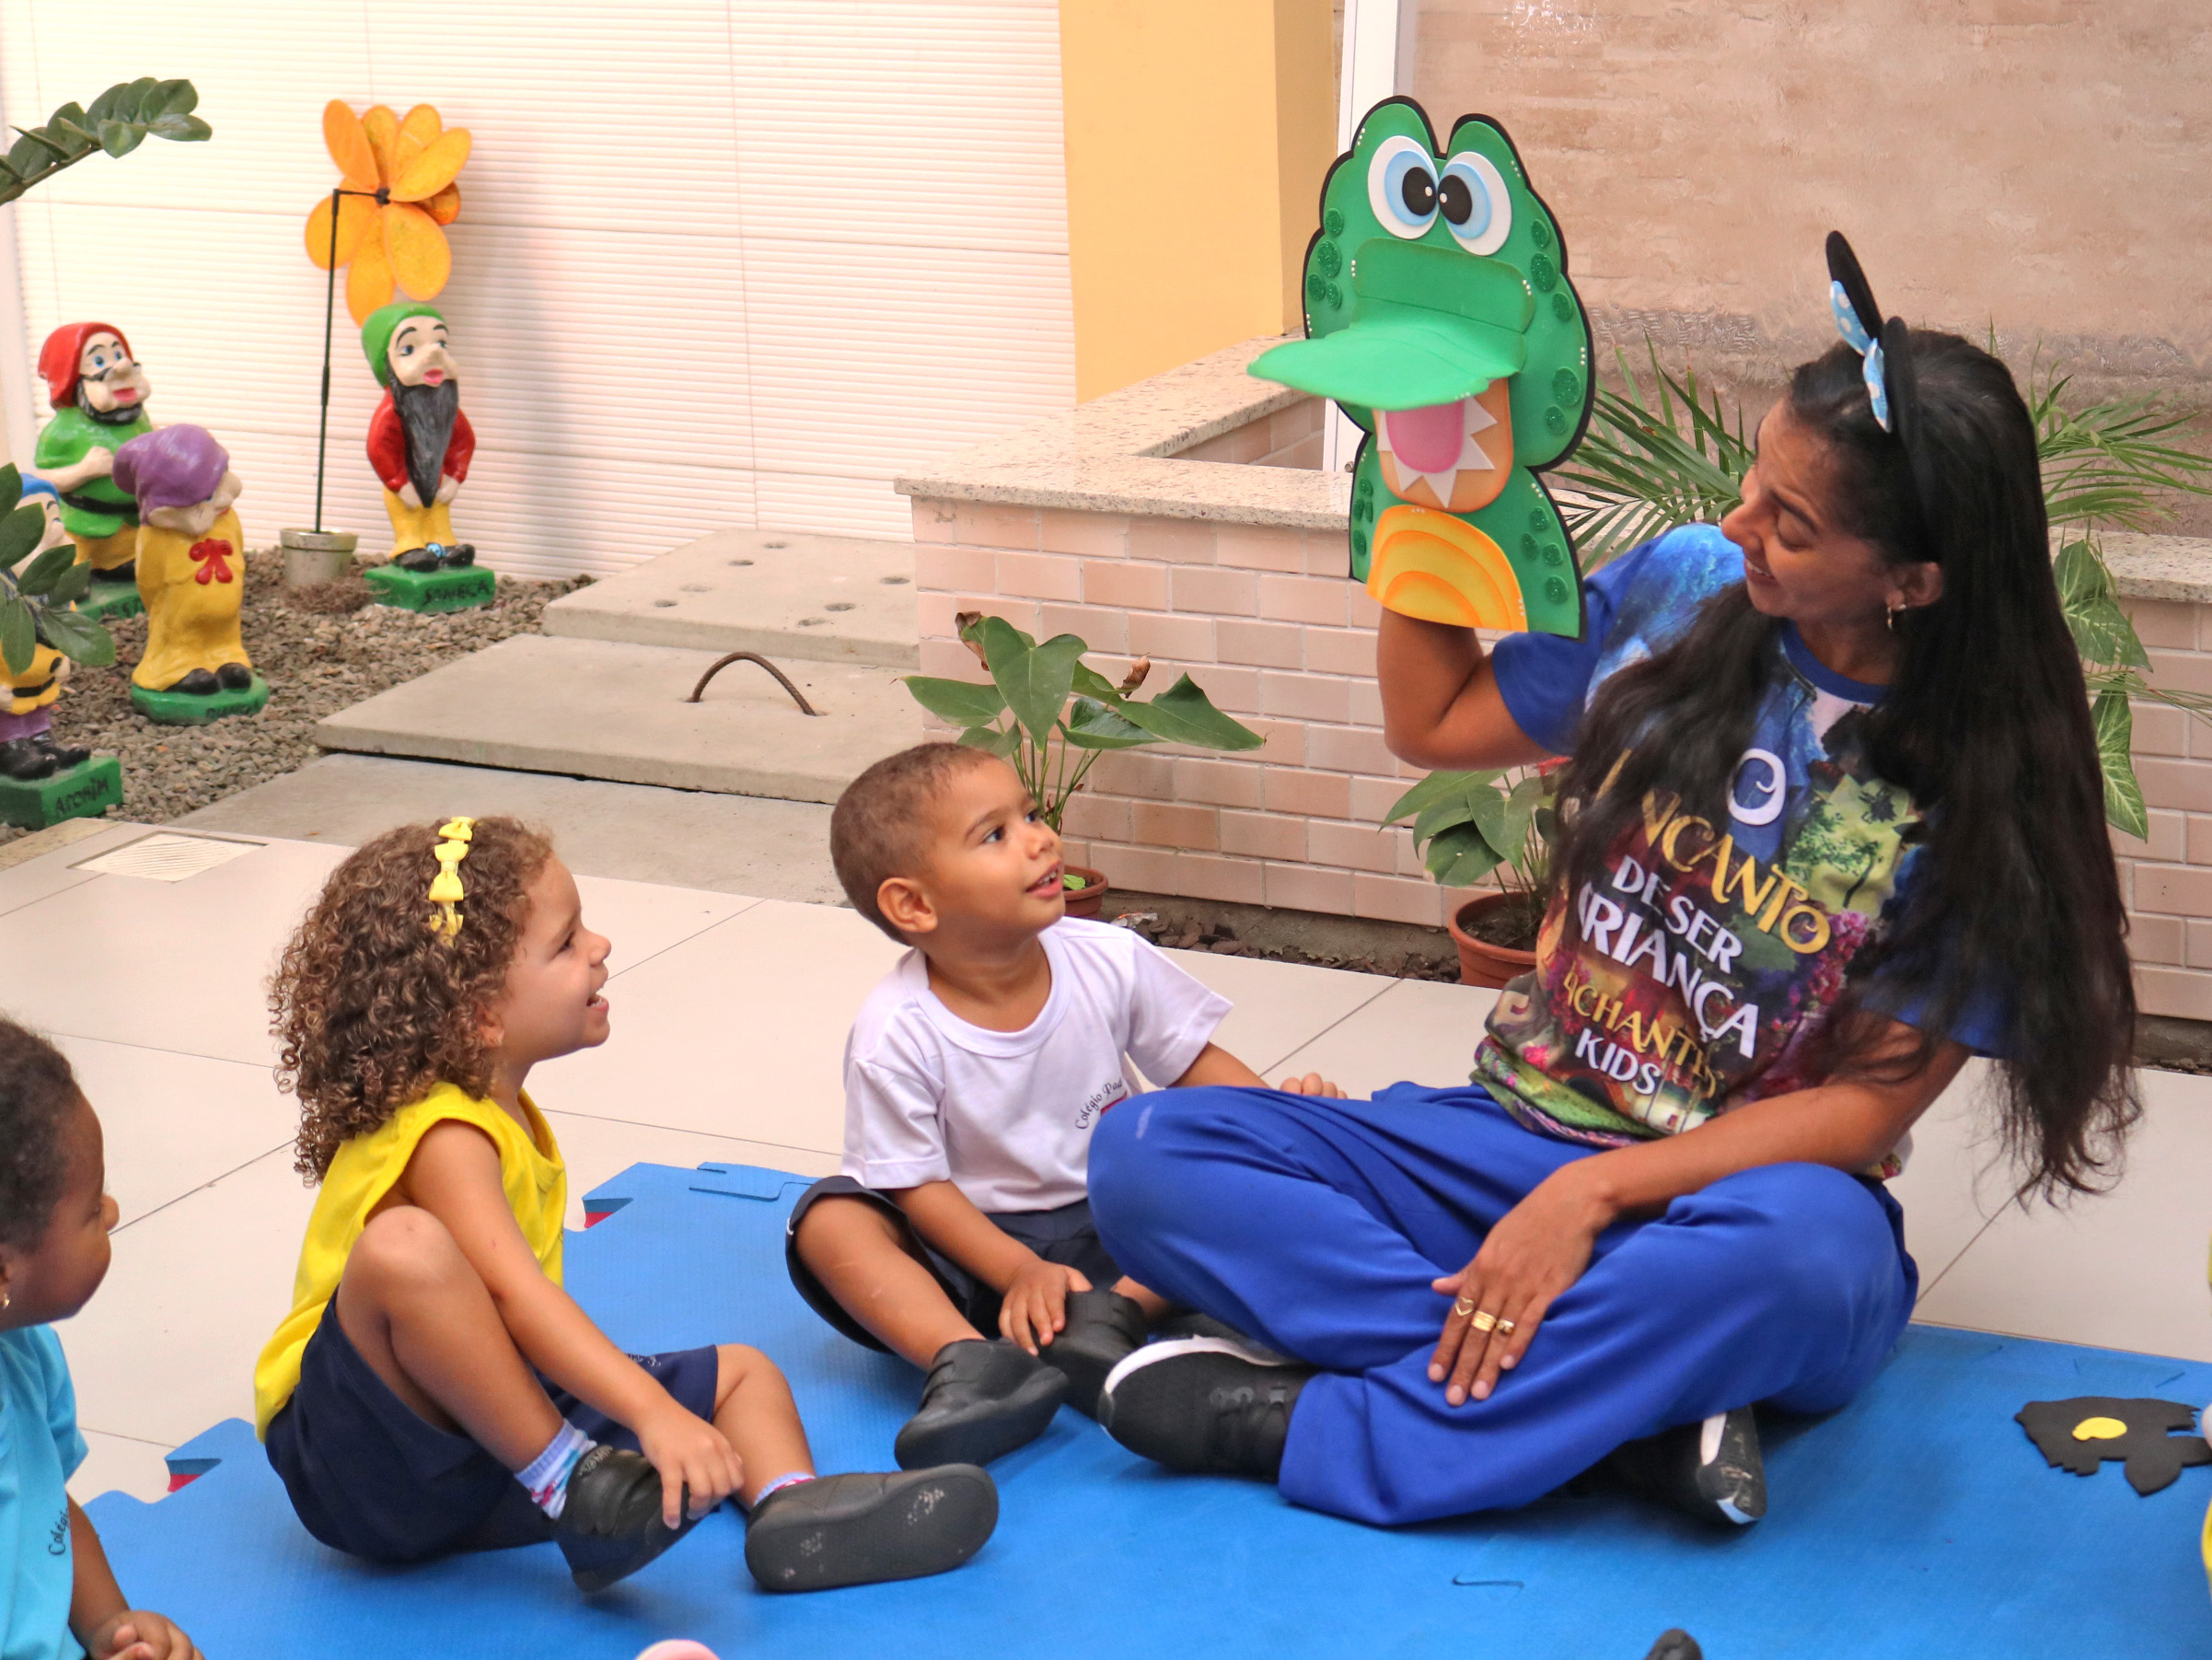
{"x":1439,"y":568}
{"x":2100,"y":1428}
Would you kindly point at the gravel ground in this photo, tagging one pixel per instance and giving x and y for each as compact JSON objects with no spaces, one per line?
{"x":316,"y":662}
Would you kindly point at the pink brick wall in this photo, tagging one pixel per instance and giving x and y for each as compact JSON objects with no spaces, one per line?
{"x":1290,"y":437}
{"x":1267,"y":621}
{"x":2167,"y":878}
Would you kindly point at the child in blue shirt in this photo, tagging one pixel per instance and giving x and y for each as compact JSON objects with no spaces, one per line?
{"x":58,"y":1596}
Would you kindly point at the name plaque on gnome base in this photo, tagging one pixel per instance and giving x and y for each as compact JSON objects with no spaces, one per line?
{"x":183,"y":708}
{"x":84,"y":791}
{"x":455,"y":589}
{"x":110,"y":602}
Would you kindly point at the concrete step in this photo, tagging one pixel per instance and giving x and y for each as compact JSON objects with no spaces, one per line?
{"x":616,"y":710}
{"x":781,"y":593}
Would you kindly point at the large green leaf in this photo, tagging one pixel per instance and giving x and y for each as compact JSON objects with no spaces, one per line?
{"x":11,"y":484}
{"x":79,"y":638}
{"x":997,"y":741}
{"x":2091,"y":606}
{"x":131,"y":103}
{"x":43,"y":572}
{"x":961,"y":702}
{"x":180,"y":129}
{"x":1184,"y":714}
{"x":171,"y":98}
{"x":21,"y":531}
{"x":1450,"y":812}
{"x":1461,"y":857}
{"x":103,"y":106}
{"x":1092,"y":684}
{"x":18,"y":633}
{"x":1037,"y":679}
{"x":1092,"y":725}
{"x":984,"y":630}
{"x":2123,"y":792}
{"x":1435,"y":787}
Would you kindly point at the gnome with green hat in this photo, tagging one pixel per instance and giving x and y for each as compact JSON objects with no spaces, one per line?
{"x":419,"y":441}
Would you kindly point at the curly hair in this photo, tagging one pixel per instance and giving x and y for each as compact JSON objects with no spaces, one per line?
{"x":37,"y":1091}
{"x":372,"y":1005}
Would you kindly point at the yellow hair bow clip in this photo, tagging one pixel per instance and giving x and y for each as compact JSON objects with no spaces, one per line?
{"x":446,"y":890}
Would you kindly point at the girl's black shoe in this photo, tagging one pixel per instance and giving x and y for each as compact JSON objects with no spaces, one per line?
{"x":611,"y":1524}
{"x":862,"y":1529}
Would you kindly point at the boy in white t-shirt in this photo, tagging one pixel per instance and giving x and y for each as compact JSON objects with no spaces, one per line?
{"x":973,"y":1077}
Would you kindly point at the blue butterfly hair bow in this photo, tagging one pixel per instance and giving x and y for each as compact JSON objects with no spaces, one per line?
{"x":1867,"y":346}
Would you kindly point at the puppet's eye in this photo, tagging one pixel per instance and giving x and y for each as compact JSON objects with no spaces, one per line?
{"x":1476,"y":208}
{"x":1401,"y":187}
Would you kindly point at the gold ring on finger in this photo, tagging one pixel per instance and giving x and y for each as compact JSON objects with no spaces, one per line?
{"x":1506,"y":1327}
{"x":1464,"y":1307}
{"x":1483,"y":1320}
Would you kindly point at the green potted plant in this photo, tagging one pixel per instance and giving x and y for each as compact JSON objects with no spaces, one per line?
{"x":1470,"y":826}
{"x":1051,"y":715}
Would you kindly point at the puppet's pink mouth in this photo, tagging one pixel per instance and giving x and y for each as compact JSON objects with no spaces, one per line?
{"x":124,"y":394}
{"x":1427,"y":439}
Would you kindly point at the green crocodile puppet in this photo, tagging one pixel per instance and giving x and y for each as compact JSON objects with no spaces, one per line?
{"x":1439,"y":315}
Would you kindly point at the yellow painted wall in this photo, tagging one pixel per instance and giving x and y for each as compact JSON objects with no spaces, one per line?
{"x":1198,"y":133}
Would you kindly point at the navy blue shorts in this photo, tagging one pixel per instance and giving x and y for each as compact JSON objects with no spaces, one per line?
{"x":1065,"y":1235}
{"x":369,"y":1477}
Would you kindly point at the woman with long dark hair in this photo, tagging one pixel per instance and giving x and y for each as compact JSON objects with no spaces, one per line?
{"x":1833,"y":821}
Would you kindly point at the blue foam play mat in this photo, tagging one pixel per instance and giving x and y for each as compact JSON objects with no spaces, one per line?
{"x":1920,"y":1522}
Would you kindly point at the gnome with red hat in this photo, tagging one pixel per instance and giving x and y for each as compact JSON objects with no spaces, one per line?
{"x":98,"y":394}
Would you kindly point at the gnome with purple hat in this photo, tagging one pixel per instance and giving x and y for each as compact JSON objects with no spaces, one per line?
{"x":192,"y":563}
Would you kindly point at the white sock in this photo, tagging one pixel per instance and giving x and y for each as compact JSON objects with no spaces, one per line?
{"x":546,"y":1476}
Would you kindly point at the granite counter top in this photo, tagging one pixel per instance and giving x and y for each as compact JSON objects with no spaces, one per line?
{"x":1117,"y":454}
{"x":1113,"y":455}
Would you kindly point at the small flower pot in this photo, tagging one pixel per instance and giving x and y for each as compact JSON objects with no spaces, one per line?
{"x":1086,"y":900}
{"x":1481,"y":963}
{"x":314,"y":557}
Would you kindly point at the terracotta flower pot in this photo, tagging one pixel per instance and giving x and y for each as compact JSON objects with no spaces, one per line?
{"x":1086,"y":900}
{"x":1481,"y":963}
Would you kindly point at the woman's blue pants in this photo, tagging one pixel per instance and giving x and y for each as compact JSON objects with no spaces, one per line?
{"x":1316,"y":1225}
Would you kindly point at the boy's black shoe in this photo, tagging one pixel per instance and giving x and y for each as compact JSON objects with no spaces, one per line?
{"x":1204,"y":1405}
{"x":980,"y":1401}
{"x":611,"y":1525}
{"x":860,"y":1529}
{"x":1103,"y":1329}
{"x":1712,"y":1470}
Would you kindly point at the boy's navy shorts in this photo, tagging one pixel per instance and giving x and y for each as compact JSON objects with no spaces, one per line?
{"x":1065,"y":1235}
{"x":369,"y":1477}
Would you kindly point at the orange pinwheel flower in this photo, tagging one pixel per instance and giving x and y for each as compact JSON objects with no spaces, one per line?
{"x":389,"y":234}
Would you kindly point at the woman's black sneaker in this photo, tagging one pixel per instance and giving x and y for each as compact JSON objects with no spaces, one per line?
{"x":1204,"y":1405}
{"x":979,"y":1402}
{"x":1712,"y":1471}
{"x":1104,"y":1328}
{"x":611,"y":1523}
{"x":862,"y":1529}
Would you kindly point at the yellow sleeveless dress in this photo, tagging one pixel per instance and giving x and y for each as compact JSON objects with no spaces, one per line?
{"x":192,"y":587}
{"x":364,"y":1170}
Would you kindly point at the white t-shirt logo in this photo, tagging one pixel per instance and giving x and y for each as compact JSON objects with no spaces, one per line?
{"x":1766,"y":806}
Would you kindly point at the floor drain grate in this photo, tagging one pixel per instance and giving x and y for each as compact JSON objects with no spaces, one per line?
{"x":168,"y":857}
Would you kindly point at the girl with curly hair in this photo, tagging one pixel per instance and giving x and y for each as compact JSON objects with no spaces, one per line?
{"x":433,"y":1388}
{"x":58,"y":1595}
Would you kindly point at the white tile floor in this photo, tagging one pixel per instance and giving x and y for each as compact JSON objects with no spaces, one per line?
{"x":729,"y":1018}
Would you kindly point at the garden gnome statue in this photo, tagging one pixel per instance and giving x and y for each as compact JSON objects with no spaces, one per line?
{"x":192,"y":574}
{"x":28,"y":749}
{"x":99,"y":394}
{"x":419,"y":441}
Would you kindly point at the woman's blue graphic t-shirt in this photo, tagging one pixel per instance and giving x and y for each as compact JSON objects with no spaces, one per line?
{"x":1709,"y":955}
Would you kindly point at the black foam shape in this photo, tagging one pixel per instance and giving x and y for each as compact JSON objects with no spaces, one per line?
{"x":2155,"y":1457}
{"x":1844,"y":267}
